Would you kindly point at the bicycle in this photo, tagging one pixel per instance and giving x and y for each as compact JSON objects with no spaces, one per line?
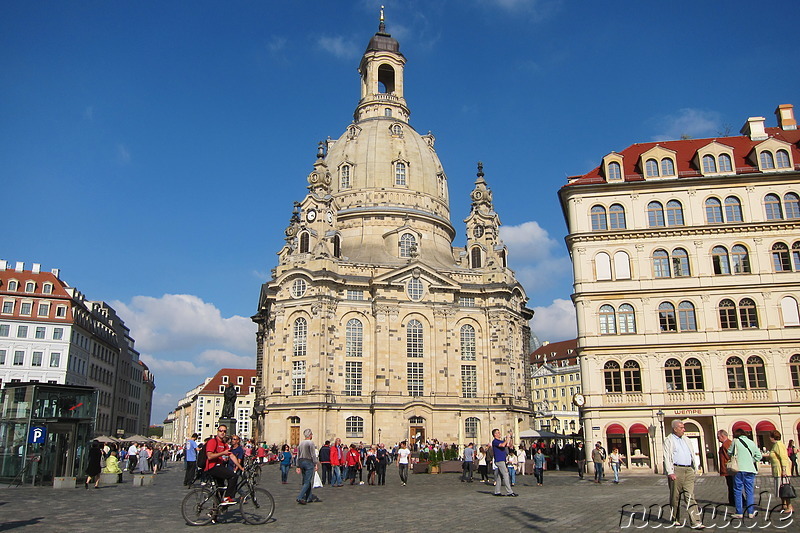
{"x":204,"y":505}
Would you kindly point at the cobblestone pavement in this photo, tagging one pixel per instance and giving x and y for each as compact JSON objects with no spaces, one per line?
{"x":429,"y":503}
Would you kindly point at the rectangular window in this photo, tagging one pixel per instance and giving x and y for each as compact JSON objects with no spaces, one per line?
{"x":298,"y":378}
{"x":22,"y":332}
{"x":37,"y":359}
{"x":352,"y":378}
{"x":44,"y":309}
{"x":40,"y":331}
{"x":8,"y":307}
{"x":5,"y":330}
{"x":469,"y":381}
{"x":61,"y":311}
{"x":355,"y":295}
{"x":416,"y":384}
{"x":3,"y":357}
{"x":466,"y":301}
{"x":26,"y":308}
{"x":19,"y":358}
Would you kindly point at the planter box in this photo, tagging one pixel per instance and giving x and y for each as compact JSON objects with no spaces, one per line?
{"x":108,"y":479}
{"x":64,"y":482}
{"x":450,"y":467}
{"x":142,"y":480}
{"x":421,"y":467}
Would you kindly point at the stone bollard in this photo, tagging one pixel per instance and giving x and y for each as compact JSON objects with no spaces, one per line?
{"x":108,"y":479}
{"x":60,"y":482}
{"x":142,"y":480}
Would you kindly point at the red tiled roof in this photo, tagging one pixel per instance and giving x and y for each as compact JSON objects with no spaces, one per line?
{"x":555,"y":351}
{"x":212,"y":387}
{"x":59,"y":294}
{"x":685,"y":151}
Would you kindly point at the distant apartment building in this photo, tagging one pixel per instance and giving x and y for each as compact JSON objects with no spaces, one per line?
{"x":183,"y":420}
{"x":50,"y":333}
{"x":555,"y":380}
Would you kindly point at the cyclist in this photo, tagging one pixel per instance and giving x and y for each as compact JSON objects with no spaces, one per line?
{"x":217,"y":455}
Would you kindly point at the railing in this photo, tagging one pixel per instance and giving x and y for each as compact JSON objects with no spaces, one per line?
{"x":625,"y":398}
{"x":756,"y":395}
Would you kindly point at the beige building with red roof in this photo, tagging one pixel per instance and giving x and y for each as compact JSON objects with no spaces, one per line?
{"x":555,"y":382}
{"x":208,"y":403}
{"x":686,"y":258}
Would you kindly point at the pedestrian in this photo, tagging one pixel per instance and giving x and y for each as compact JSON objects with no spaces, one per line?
{"x":133,"y":457}
{"x":580,"y":459}
{"x":238,"y":450}
{"x":337,"y":462}
{"x":539,"y":463}
{"x":353,"y":462}
{"x":383,"y":461}
{"x":791,"y":449}
{"x":521,"y":458}
{"x":285,"y":463}
{"x":724,"y":453}
{"x":307,"y":464}
{"x":190,"y":449}
{"x":499,"y":452}
{"x":480,"y":455}
{"x":747,"y":457}
{"x":598,"y":458}
{"x":680,"y":465}
{"x":403,"y":455}
{"x":615,"y":461}
{"x":372,"y":464}
{"x":779,"y":459}
{"x":93,"y":467}
{"x":466,"y":466}
{"x":325,"y":462}
{"x":511,"y":465}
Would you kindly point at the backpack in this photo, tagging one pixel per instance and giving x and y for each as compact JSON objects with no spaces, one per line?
{"x":201,"y":456}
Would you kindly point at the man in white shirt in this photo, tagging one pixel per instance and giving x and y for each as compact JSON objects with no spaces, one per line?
{"x":403,"y":454}
{"x":680,"y":465}
{"x":133,"y":456}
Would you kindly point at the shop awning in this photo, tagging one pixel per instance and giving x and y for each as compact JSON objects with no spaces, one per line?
{"x":744,"y":426}
{"x":615,"y":429}
{"x":764,"y":426}
{"x":638,"y":429}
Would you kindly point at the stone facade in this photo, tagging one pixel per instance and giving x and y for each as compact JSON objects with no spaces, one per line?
{"x":687,"y":281}
{"x":373,"y":326}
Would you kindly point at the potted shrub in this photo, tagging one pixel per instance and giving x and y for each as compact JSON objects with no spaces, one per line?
{"x":434,"y":460}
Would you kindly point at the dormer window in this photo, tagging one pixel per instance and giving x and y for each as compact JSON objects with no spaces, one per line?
{"x":771,"y":155}
{"x":224,"y":379}
{"x":658,"y":162}
{"x":614,"y":171}
{"x":651,"y":168}
{"x":725,"y":164}
{"x":667,"y":167}
{"x":709,"y":164}
{"x":344,"y":177}
{"x":767,"y":161}
{"x":47,"y":288}
{"x":408,"y":245}
{"x":30,"y":286}
{"x":13,"y":285}
{"x":782,"y":157}
{"x":612,"y":166}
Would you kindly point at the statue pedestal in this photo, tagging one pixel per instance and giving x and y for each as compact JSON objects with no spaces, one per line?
{"x":230,"y":422}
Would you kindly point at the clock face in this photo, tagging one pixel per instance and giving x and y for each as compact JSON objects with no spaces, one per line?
{"x":329,"y":217}
{"x":311,"y":215}
{"x":478,"y":232}
{"x":579,"y":400}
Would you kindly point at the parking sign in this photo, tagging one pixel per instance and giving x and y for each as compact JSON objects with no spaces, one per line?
{"x":37,"y":435}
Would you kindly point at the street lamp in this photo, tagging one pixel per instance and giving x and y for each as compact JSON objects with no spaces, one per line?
{"x":660,"y":416}
{"x":379,"y":435}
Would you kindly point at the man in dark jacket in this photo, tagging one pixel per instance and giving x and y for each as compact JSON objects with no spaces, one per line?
{"x":325,"y":461}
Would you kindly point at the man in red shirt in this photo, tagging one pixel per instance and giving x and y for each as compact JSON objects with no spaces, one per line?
{"x":217,"y":455}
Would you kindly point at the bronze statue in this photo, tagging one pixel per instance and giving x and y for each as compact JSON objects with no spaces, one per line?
{"x":229,"y":405}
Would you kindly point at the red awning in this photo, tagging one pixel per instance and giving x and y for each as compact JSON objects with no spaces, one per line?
{"x":744,"y":426}
{"x":638,"y":429}
{"x":615,"y":429}
{"x":764,"y":426}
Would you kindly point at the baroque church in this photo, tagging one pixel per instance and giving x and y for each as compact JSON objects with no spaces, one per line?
{"x":373,"y":326}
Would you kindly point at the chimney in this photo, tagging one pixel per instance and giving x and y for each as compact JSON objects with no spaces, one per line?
{"x":785,"y":114}
{"x":37,"y":268}
{"x":20,"y":266}
{"x":754,"y":128}
{"x":3,"y":264}
{"x":56,"y":272}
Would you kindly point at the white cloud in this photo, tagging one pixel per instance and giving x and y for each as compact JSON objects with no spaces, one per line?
{"x":184,"y":322}
{"x":528,"y":240}
{"x":339,"y":47}
{"x":166,"y":366}
{"x":555,"y":322}
{"x":693,"y":123}
{"x":224,"y":359}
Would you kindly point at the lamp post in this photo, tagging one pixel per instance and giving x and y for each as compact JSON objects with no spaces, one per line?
{"x":379,"y":435}
{"x":660,"y":416}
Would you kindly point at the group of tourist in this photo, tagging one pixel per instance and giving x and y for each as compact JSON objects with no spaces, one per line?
{"x":115,"y":458}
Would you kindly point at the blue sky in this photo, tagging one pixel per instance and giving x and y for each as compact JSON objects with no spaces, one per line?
{"x":152,"y":150}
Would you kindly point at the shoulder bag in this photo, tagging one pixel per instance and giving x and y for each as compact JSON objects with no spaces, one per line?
{"x":732,"y":466}
{"x":786,"y":490}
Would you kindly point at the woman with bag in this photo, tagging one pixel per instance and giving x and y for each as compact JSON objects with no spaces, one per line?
{"x":779,"y":459}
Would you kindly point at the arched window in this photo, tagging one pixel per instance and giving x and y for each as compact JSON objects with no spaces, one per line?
{"x":674,"y":213}
{"x":622,"y":265}
{"x":713,"y":211}
{"x":796,"y":255}
{"x":337,"y":246}
{"x":780,"y":258}
{"x":400,"y":173}
{"x":666,"y":317}
{"x":471,"y":427}
{"x":747,"y":313}
{"x":467,"y":342}
{"x":740,"y":259}
{"x":300,"y":337}
{"x":614,"y":171}
{"x":613,"y":378}
{"x":47,"y":288}
{"x":791,"y":204}
{"x":667,"y":167}
{"x":651,"y":168}
{"x":397,"y":129}
{"x":354,"y":338}
{"x":408,"y":245}
{"x":602,"y":265}
{"x":655,"y":215}
{"x":772,"y":207}
{"x":680,"y":263}
{"x":709,"y":164}
{"x":720,"y":260}
{"x":607,"y":320}
{"x":756,"y":375}
{"x":599,"y":221}
{"x":782,"y":158}
{"x":733,"y":209}
{"x":344,"y":176}
{"x":794,"y":370}
{"x":388,"y":111}
{"x":725,"y":163}
{"x":627,"y":319}
{"x":735,"y":370}
{"x":616,"y":217}
{"x":686,"y":316}
{"x":789,"y":311}
{"x":673,"y":375}
{"x":304,"y":243}
{"x":12,"y":285}
{"x":415,"y":289}
{"x":694,"y":374}
{"x":727,"y":315}
{"x":475,"y":257}
{"x":354,"y":426}
{"x":632,"y":376}
{"x":661,"y":264}
{"x":767,"y":161}
{"x":414,"y":339}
